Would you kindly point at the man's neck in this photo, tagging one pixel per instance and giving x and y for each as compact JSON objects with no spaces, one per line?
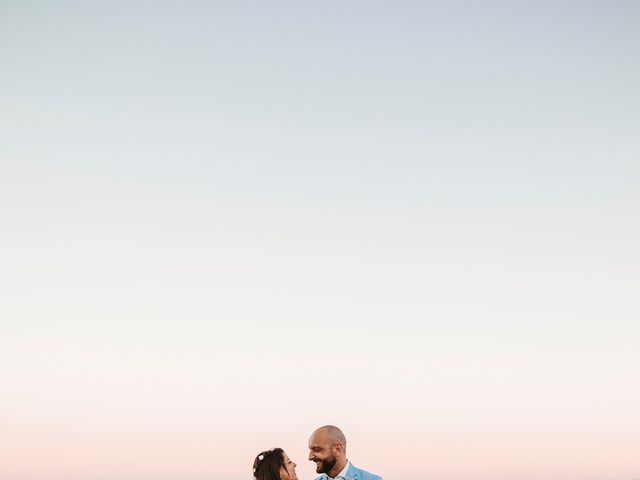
{"x":337,"y":468}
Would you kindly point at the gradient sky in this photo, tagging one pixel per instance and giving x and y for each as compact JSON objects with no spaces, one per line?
{"x":225,"y":224}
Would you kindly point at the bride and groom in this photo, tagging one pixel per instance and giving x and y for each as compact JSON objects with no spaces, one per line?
{"x":327,"y":448}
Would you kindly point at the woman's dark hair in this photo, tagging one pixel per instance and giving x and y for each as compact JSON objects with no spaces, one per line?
{"x":267,"y":464}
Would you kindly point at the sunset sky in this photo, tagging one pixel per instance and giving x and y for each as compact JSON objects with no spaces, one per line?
{"x":224,"y":224}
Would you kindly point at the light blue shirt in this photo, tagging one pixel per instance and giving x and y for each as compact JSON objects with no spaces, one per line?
{"x":351,"y":472}
{"x":342,"y":474}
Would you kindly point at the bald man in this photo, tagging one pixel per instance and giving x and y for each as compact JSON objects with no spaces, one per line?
{"x":328,"y":449}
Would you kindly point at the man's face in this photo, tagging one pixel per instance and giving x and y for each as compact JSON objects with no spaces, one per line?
{"x":321,"y":452}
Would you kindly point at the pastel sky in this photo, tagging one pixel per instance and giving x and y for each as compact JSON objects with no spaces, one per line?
{"x":223,"y":224}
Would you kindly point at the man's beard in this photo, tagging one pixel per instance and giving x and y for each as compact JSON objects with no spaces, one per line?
{"x":326,"y":465}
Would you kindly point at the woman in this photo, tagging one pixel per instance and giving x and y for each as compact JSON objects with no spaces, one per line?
{"x":274,"y":464}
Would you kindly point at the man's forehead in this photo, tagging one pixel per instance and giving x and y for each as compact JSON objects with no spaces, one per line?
{"x":319,"y":436}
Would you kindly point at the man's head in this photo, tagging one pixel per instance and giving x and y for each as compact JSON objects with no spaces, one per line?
{"x":328,"y":449}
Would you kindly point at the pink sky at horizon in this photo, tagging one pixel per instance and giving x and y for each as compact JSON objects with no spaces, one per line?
{"x":193,"y":454}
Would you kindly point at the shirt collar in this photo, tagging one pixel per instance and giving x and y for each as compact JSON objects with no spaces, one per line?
{"x":343,"y":473}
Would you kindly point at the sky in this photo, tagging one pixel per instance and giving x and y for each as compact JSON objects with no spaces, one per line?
{"x":224,"y":224}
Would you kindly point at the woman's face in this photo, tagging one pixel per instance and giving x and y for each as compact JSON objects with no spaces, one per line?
{"x":288,"y":472}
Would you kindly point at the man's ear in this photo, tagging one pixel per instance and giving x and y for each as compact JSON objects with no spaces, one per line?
{"x":339,"y":447}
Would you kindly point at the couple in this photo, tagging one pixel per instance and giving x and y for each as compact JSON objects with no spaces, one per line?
{"x":327,"y":448}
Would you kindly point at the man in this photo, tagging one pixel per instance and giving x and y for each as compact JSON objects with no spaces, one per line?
{"x":328,"y":449}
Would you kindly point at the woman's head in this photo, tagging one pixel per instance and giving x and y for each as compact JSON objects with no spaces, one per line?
{"x":274,"y":464}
